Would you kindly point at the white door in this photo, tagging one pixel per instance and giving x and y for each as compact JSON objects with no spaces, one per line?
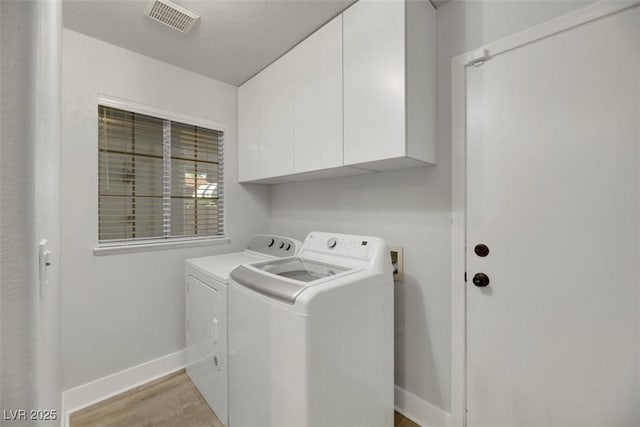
{"x":552,"y":191}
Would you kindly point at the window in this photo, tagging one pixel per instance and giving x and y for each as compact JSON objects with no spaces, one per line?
{"x":159,"y":179}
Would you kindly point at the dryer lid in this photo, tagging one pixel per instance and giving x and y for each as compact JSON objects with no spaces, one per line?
{"x":218,"y":267}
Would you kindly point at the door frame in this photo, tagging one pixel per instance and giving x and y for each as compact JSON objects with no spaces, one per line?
{"x":458,"y":185}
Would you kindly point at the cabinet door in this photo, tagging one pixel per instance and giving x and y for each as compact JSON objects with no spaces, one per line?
{"x":276,"y":118}
{"x":249,"y":130}
{"x":318,"y":99}
{"x":374,"y":81}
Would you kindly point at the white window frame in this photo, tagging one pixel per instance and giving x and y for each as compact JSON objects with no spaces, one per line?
{"x":144,"y":245}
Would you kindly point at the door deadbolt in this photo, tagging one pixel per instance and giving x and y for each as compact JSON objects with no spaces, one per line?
{"x":480,"y":280}
{"x":481,"y":250}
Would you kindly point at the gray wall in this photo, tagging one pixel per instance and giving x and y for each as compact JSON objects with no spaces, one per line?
{"x":411,"y":208}
{"x":122,"y":310}
{"x":30,"y":35}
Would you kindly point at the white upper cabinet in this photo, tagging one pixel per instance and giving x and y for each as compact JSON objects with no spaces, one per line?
{"x":356,"y":96}
{"x":249,"y":131}
{"x":389,"y":84}
{"x":276,"y":118}
{"x":374,"y":81}
{"x":318,"y":99}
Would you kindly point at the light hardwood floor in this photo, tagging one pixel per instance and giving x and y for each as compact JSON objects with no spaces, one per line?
{"x":171,"y":401}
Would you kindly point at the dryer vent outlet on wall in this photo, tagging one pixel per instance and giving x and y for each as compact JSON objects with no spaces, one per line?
{"x":171,"y":15}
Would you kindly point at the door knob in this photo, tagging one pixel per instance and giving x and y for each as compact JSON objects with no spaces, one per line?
{"x":480,"y":280}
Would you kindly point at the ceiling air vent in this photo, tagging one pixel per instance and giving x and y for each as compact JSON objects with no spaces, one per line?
{"x":171,"y":14}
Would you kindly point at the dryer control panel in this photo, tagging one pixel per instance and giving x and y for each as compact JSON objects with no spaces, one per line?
{"x":277,"y":246}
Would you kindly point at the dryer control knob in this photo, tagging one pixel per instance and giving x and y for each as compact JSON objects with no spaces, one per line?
{"x":271,"y":242}
{"x":331,"y":243}
{"x":281,"y":245}
{"x":288,"y":247}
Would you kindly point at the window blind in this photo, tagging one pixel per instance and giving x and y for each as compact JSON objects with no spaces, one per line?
{"x":158,"y":179}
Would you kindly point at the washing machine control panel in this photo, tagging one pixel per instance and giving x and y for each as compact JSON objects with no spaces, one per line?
{"x":273,"y":245}
{"x":351,"y":246}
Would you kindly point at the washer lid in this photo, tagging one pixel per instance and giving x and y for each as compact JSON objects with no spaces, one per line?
{"x":284,"y":279}
{"x":302,"y":270}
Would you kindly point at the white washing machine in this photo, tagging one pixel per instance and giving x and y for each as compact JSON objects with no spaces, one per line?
{"x":311,"y":336}
{"x":206,"y":282}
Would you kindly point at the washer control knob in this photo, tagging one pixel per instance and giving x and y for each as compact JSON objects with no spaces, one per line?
{"x":271,"y":242}
{"x":288,"y":247}
{"x":281,"y":245}
{"x":332,"y":242}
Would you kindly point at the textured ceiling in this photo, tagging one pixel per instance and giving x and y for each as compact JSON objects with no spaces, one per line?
{"x":233,"y":40}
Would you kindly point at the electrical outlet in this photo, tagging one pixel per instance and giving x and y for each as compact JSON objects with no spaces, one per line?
{"x":397,"y":262}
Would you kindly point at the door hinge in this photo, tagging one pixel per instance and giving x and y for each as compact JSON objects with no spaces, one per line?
{"x":478,"y":57}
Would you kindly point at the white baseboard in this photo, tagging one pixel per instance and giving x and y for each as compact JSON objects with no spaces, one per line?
{"x":419,"y":410}
{"x":103,"y":388}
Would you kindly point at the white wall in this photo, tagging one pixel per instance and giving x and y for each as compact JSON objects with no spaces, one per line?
{"x":30,"y":55}
{"x":411,"y":208}
{"x":123,"y":310}
{"x":408,"y":208}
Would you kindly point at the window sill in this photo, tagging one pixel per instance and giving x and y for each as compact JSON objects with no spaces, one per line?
{"x":142,"y":246}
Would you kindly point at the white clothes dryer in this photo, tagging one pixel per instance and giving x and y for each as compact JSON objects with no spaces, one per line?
{"x":206,"y":282}
{"x":311,"y":336}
